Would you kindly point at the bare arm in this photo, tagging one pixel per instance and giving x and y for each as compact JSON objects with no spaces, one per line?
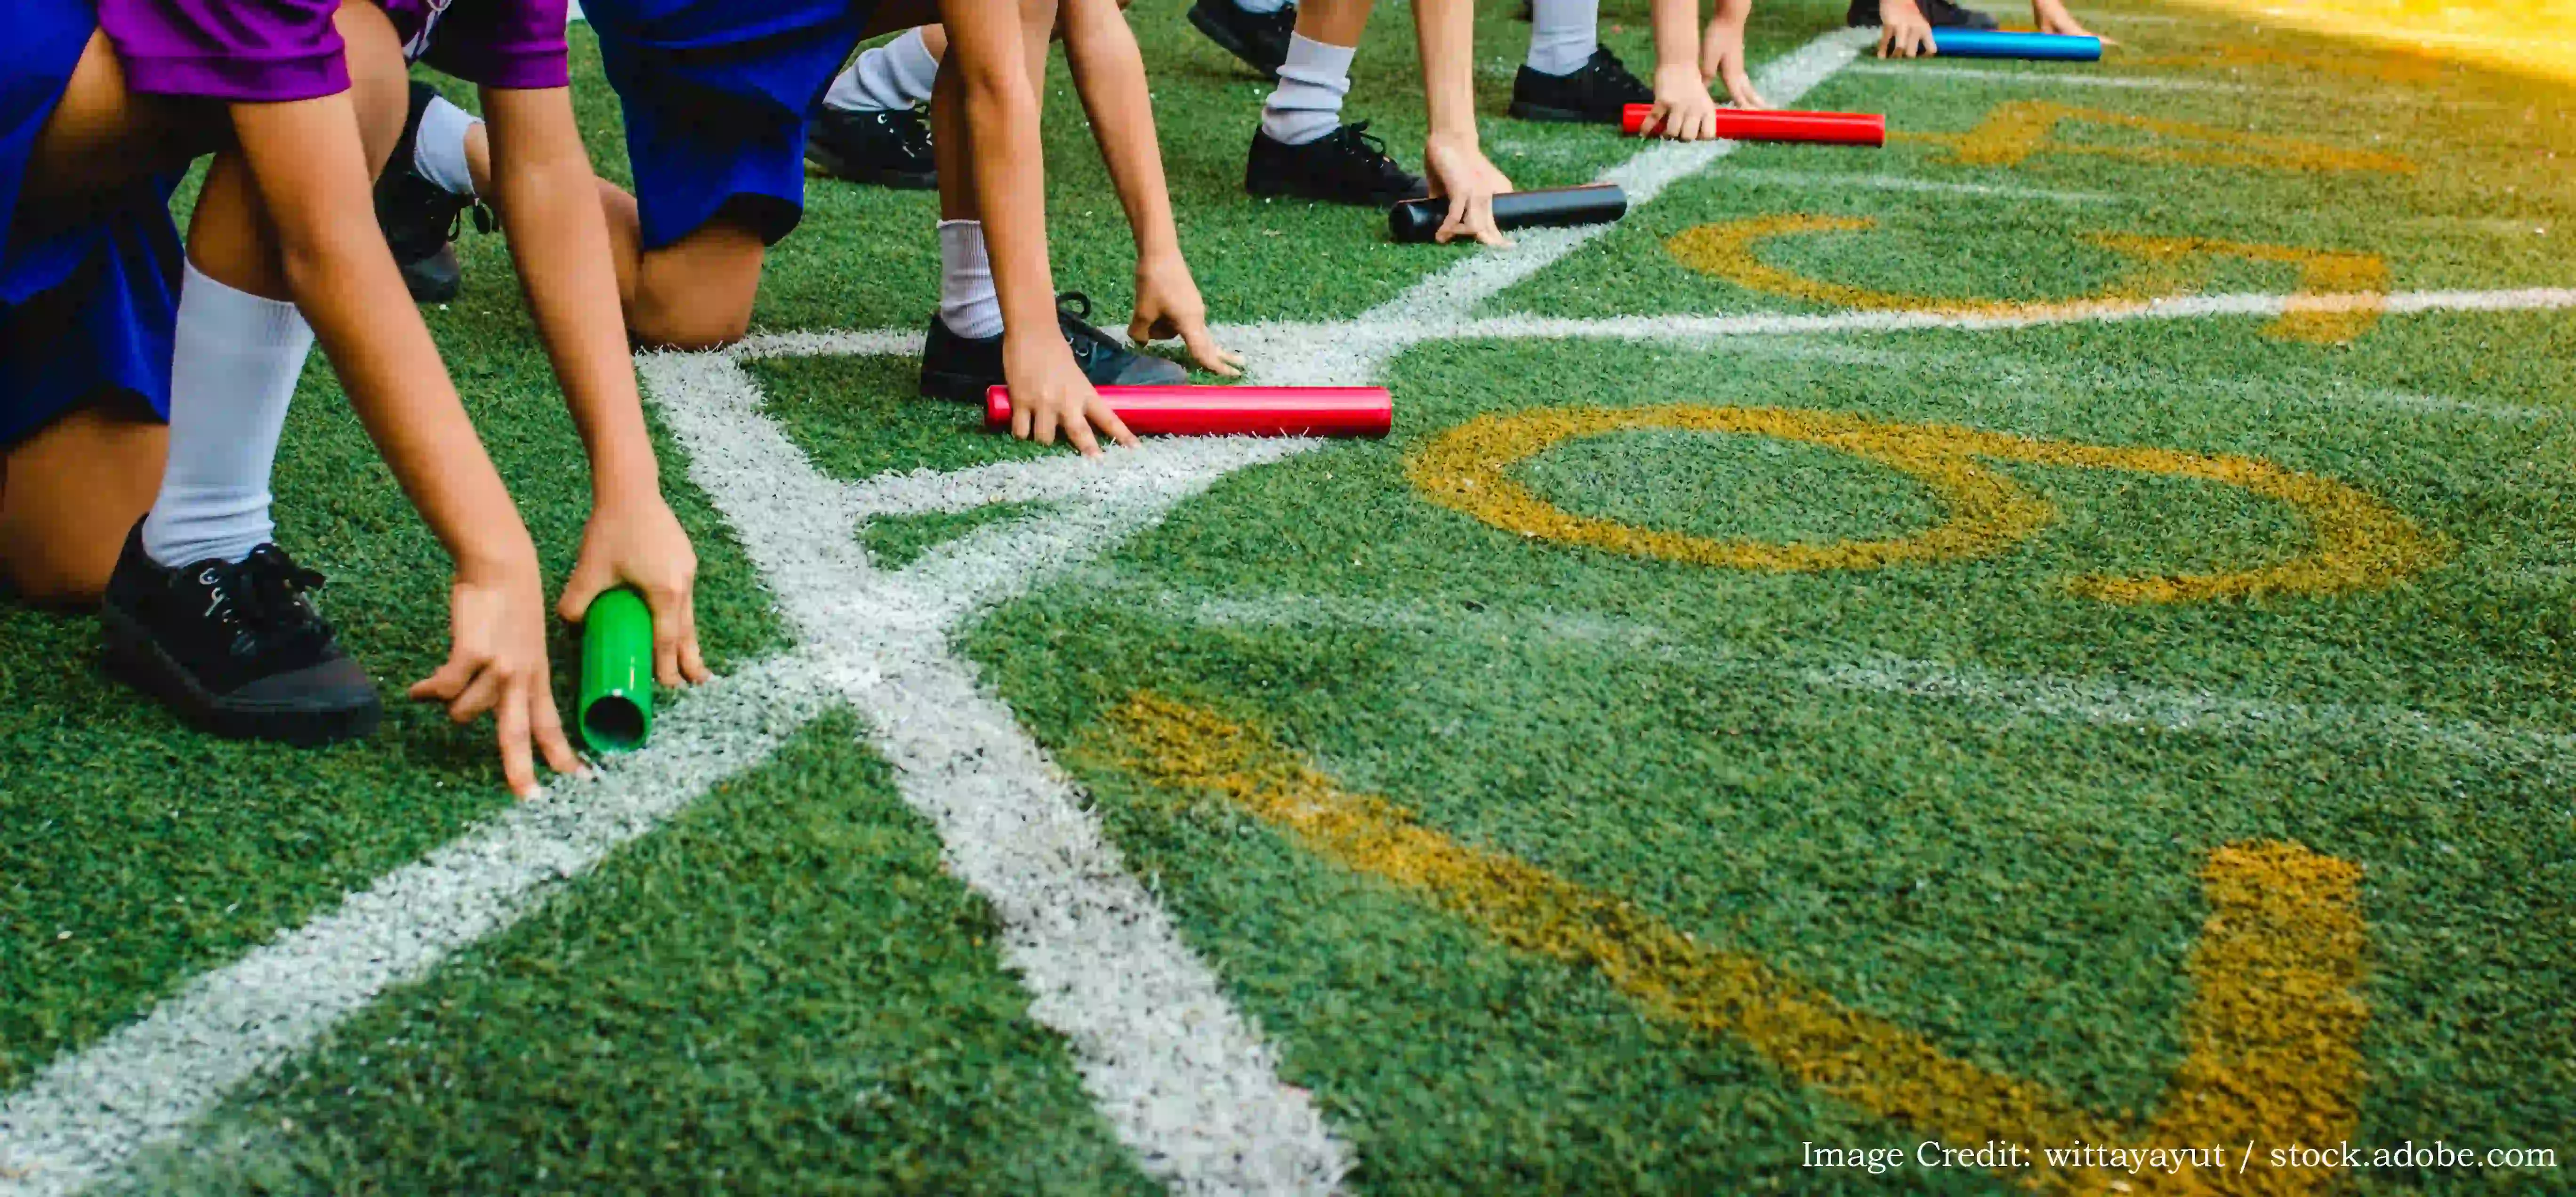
{"x":1456,"y":163}
{"x":309,"y":164}
{"x":1109,"y":74}
{"x":1721,"y":53}
{"x":549,"y":206}
{"x":988,"y":56}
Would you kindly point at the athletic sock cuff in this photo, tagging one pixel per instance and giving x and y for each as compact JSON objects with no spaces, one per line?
{"x":233,"y":319}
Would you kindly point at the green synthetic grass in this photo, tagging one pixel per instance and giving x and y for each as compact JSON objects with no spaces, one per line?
{"x":782,"y":993}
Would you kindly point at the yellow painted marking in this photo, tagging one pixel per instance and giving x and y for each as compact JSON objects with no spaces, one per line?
{"x":2017,"y":129}
{"x":2272,"y":1029}
{"x":2359,"y":542}
{"x":1468,"y":469}
{"x":2340,"y":294}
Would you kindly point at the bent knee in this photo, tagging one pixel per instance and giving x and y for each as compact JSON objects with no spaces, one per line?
{"x":62,"y":580}
{"x":655,"y":326}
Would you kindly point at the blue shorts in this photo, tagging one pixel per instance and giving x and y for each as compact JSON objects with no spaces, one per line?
{"x":717,"y":95}
{"x":87,"y":308}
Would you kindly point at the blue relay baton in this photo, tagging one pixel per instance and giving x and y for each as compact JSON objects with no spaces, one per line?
{"x":1988,"y":43}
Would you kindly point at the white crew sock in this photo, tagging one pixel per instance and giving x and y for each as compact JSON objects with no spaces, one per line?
{"x":1307,"y":104}
{"x":232,"y":376}
{"x":439,"y":151}
{"x":968,"y":304}
{"x":1260,"y":5}
{"x":898,"y":74}
{"x":1563,"y":34}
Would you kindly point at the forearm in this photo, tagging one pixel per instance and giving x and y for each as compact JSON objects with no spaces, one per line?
{"x":1109,"y":74}
{"x":1010,"y":194}
{"x":1446,"y":33}
{"x":1677,"y":33}
{"x":558,"y":237}
{"x":309,"y":167}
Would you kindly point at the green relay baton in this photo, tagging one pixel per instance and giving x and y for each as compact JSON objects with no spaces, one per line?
{"x":617,"y":672}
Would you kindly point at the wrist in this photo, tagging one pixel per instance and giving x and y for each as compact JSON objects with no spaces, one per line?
{"x":496,"y":554}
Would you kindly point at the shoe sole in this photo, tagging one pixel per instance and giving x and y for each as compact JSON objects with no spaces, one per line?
{"x":835,"y":166}
{"x":1521,"y":110}
{"x":1228,"y":42}
{"x":1374,"y":199}
{"x":430,"y":288}
{"x":956,"y":388}
{"x":133,"y":656}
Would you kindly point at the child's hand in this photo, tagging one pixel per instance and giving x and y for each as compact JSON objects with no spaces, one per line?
{"x":1168,"y":305}
{"x":636,"y":541}
{"x":1459,"y":170}
{"x":1903,"y":33}
{"x":1721,"y":59}
{"x":497,"y":663}
{"x":1048,"y":392}
{"x":2051,"y":17}
{"x":1683,"y":109}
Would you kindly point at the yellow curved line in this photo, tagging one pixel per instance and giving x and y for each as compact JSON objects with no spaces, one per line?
{"x":2360,"y":543}
{"x":2272,"y":1032}
{"x":1467,"y":469}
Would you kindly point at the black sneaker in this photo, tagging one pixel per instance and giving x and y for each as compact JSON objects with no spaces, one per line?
{"x":955,"y":367}
{"x":1595,"y":92}
{"x":1260,"y":39}
{"x":421,"y":218}
{"x":235,"y":648}
{"x":1941,"y":13}
{"x":1346,"y":166}
{"x":889,"y":147}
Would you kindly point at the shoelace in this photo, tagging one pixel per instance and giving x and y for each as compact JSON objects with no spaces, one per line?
{"x":262,"y":600}
{"x":483,"y":221}
{"x":1087,"y":342}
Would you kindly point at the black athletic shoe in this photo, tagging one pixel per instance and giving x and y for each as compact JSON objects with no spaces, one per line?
{"x":1260,"y":39}
{"x":955,"y":367}
{"x":1941,"y":13}
{"x":1346,"y":166}
{"x":889,"y":147}
{"x":235,"y":648}
{"x":1595,"y":92}
{"x":421,"y":218}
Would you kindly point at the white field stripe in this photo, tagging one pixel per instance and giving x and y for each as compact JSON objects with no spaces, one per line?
{"x":2038,"y":695}
{"x":1831,"y":180}
{"x":83,"y":1118}
{"x":1182,"y":1078}
{"x":1355,"y":352}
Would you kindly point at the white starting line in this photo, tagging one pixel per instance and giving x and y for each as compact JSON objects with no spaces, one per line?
{"x":1183,"y":1078}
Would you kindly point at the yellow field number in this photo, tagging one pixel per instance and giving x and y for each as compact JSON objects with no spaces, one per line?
{"x":2357,"y":542}
{"x":2340,"y":293}
{"x":2015,"y":130}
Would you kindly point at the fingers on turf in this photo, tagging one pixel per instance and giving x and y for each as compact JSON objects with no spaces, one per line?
{"x":518,"y":768}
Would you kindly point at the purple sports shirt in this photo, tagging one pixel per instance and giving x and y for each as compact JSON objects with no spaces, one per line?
{"x":275,"y":50}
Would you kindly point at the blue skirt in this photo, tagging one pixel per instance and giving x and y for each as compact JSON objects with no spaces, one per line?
{"x":86,"y":308}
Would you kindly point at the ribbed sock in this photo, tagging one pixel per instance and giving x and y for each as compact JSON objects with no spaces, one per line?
{"x":231,"y":378}
{"x":968,"y":304}
{"x":1307,"y":104}
{"x":1259,"y":5}
{"x":1563,"y":34}
{"x":898,"y":74}
{"x":439,"y":151}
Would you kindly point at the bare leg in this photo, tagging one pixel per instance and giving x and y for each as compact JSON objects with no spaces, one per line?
{"x":73,"y":490}
{"x":1334,"y":22}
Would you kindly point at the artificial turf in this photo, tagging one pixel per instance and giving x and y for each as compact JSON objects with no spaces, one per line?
{"x":1954,"y":794}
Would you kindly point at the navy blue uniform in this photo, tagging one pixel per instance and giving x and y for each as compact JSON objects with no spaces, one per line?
{"x":717,"y":96}
{"x":88,"y":306}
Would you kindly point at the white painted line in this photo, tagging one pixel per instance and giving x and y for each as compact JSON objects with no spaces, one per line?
{"x":1831,"y":180}
{"x":2036,"y":695}
{"x":1356,"y":351}
{"x":87,"y":1114}
{"x":1183,"y":1079}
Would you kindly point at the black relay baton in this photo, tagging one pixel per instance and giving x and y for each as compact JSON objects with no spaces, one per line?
{"x":1592,"y":203}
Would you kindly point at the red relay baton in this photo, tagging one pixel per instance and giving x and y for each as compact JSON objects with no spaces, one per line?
{"x":1233,"y":411}
{"x":1739,"y":124}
